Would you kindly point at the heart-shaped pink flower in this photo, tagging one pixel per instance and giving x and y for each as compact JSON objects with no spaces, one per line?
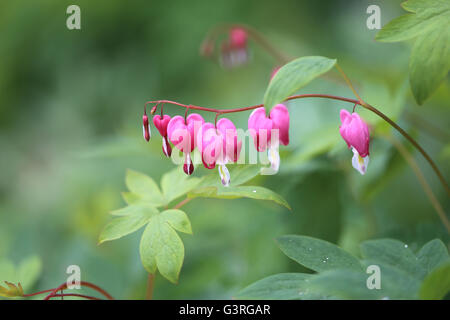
{"x":238,"y":38}
{"x":261,"y":127}
{"x":355,"y":132}
{"x":161,"y":123}
{"x":219,"y":144}
{"x":182,"y":134}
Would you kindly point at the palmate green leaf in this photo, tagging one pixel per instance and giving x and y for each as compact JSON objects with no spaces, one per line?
{"x":436,"y":284}
{"x":161,"y":248}
{"x":294,"y":75}
{"x":143,"y":189}
{"x":316,"y":254}
{"x":131,"y":219}
{"x":283,"y":286}
{"x":428,"y":22}
{"x":394,"y":253}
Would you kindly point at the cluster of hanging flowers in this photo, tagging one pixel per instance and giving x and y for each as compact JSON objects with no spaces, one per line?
{"x":219,"y":145}
{"x":218,"y":142}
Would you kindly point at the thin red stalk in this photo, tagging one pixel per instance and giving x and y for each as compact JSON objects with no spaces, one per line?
{"x":75,"y":295}
{"x":83,"y":283}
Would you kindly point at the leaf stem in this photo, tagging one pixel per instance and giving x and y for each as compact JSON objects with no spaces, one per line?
{"x":150,"y":286}
{"x":182,"y":203}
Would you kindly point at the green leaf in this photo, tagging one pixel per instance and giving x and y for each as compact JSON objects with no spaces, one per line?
{"x":436,"y":284}
{"x":161,"y":248}
{"x":283,"y":286}
{"x":433,"y":254}
{"x":29,"y":271}
{"x":429,"y":62}
{"x":177,"y":220}
{"x":395,"y":283}
{"x":252,"y":192}
{"x":316,"y":254}
{"x":394,"y":253}
{"x":144,"y":188}
{"x":294,"y":75}
{"x":176,"y":183}
{"x":343,"y":284}
{"x":133,"y":218}
{"x":428,"y":22}
{"x":26,"y":273}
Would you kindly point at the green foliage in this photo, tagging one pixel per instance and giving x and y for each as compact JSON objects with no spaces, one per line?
{"x":316,"y":254}
{"x":437,"y":284}
{"x":429,"y":23}
{"x":161,"y":248}
{"x":283,"y":286}
{"x":403,"y":274}
{"x":294,"y":75}
{"x":211,"y":187}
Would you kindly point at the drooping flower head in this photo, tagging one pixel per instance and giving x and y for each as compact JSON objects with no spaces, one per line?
{"x":146,"y":127}
{"x":355,"y":133}
{"x":182,"y":134}
{"x":267,"y":132}
{"x":161,"y":124}
{"x":235,"y":50}
{"x":219,"y":145}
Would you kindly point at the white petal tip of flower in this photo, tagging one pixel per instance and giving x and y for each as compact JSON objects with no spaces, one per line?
{"x":359,"y":163}
{"x":274,"y":158}
{"x":224,"y":175}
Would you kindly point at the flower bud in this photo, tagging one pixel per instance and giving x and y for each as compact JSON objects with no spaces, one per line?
{"x":146,"y":128}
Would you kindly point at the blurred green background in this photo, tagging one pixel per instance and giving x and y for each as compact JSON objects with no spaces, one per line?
{"x":70,"y":125}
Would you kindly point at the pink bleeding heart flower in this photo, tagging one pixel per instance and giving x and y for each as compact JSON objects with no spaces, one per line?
{"x":235,"y":50}
{"x":238,"y":38}
{"x":161,"y":124}
{"x":355,"y":132}
{"x":267,"y":132}
{"x":219,"y":144}
{"x":182,"y":134}
{"x":146,"y":128}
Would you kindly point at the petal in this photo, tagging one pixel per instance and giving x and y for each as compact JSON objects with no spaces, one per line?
{"x":224,"y":175}
{"x":359,"y":163}
{"x":260,"y":128}
{"x":280,"y":117}
{"x":274,"y":158}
